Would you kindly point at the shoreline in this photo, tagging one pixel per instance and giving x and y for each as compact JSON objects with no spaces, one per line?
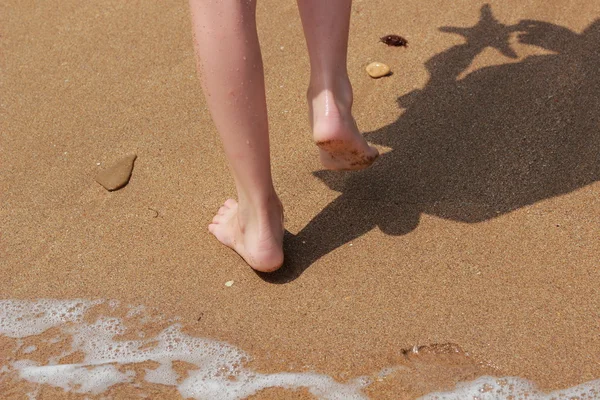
{"x":104,"y":348}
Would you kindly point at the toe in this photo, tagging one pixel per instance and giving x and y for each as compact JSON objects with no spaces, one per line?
{"x":230,"y":203}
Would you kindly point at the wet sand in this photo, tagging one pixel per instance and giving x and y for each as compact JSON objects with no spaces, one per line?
{"x":478,"y":226}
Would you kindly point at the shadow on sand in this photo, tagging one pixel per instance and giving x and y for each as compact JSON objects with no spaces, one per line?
{"x":472,"y":149}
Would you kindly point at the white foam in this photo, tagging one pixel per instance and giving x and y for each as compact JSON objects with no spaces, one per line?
{"x":220,"y":371}
{"x":219,"y":368}
{"x":20,"y":319}
{"x":77,"y":378}
{"x":512,"y":388}
{"x":29,"y":349}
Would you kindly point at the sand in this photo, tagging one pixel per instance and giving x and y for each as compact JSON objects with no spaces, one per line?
{"x":478,"y":226}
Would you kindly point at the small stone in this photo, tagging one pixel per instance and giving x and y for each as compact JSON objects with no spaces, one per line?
{"x":229,"y":283}
{"x":377,"y":70}
{"x":117,"y":176}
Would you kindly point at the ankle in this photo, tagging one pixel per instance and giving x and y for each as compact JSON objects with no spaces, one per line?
{"x":327,"y":104}
{"x":259,"y":209}
{"x":338,"y":89}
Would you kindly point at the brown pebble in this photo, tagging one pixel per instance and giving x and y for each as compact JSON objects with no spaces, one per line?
{"x":377,"y":70}
{"x":117,"y":176}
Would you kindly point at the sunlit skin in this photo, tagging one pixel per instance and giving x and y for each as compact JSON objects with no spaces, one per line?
{"x":225,"y":35}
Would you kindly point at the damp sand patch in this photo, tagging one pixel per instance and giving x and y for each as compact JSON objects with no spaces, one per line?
{"x":214,"y":369}
{"x":80,"y":347}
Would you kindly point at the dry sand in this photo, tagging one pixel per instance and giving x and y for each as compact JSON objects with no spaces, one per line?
{"x":479,"y":226}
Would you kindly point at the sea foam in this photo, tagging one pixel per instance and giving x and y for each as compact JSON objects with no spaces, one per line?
{"x":219,"y":370}
{"x":513,"y":388}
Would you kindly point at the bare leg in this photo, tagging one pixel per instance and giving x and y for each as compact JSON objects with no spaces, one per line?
{"x":230,"y":65}
{"x":326,"y":24}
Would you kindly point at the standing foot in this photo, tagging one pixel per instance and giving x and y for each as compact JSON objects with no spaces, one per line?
{"x":257,"y":236}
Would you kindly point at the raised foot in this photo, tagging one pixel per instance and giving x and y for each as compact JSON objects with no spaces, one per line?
{"x":259,"y":242}
{"x":341,"y":146}
{"x":344,"y":155}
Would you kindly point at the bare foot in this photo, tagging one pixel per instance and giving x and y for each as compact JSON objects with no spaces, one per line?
{"x":258,"y":239}
{"x":341,"y":145}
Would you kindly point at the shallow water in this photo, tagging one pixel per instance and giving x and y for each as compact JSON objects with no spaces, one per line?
{"x":81,"y":347}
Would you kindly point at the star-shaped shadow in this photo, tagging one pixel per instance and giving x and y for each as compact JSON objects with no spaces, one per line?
{"x":488,"y":32}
